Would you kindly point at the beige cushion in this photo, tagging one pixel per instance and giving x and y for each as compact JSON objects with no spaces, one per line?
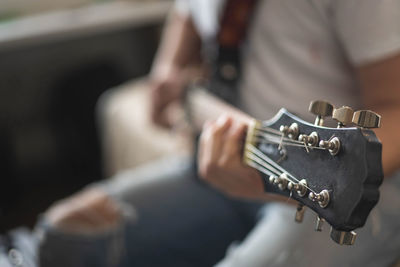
{"x":129,"y":138}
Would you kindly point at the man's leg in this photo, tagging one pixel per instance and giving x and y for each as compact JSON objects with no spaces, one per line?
{"x":179,"y":222}
{"x":278,"y":241}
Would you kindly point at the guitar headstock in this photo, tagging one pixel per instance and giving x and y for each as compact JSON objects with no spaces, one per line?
{"x":336,"y":172}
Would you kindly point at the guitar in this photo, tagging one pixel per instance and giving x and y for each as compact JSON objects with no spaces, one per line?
{"x":336,"y":172}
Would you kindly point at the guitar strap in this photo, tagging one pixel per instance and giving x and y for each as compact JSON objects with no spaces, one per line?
{"x":226,"y":67}
{"x":224,"y":53}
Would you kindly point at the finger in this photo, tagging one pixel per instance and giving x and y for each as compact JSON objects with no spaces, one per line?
{"x":222,"y":124}
{"x":214,"y":145}
{"x":155,"y":89}
{"x":210,"y":144}
{"x":213,"y":129}
{"x":201,"y":144}
{"x":207,"y":124}
{"x":233,"y":144}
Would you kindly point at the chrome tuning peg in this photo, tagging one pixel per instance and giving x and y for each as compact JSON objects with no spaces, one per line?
{"x":311,"y":140}
{"x":343,"y":116}
{"x":282,"y":181}
{"x":291,"y":131}
{"x":319,"y":223}
{"x":299,"y":216}
{"x":300,"y":188}
{"x":342,"y":237}
{"x":367,"y":119}
{"x":321,"y":109}
{"x":332,"y":145}
{"x":323,"y":198}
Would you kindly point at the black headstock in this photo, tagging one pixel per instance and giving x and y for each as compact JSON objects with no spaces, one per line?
{"x":334,"y":171}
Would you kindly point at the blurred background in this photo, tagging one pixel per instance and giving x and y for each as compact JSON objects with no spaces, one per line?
{"x":56,"y":58}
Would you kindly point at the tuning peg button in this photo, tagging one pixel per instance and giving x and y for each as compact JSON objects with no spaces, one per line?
{"x":367,"y":119}
{"x":342,"y":237}
{"x":332,"y":145}
{"x":319,"y":223}
{"x":291,"y":131}
{"x":299,"y":213}
{"x":323,"y":198}
{"x":300,"y":188}
{"x":321,"y":109}
{"x":343,"y":115}
{"x":282,"y":181}
{"x":311,"y":140}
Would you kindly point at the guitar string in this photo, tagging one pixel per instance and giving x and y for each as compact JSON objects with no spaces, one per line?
{"x":261,"y":155}
{"x":266,"y":167}
{"x":263,"y":167}
{"x":270,"y":162}
{"x":278,"y":136}
{"x":263,"y":170}
{"x":275,"y":132}
{"x":268,"y":141}
{"x":261,"y":133}
{"x":276,"y":139}
{"x":283,"y":138}
{"x":272,"y":171}
{"x":268,"y":129}
{"x":279,"y":140}
{"x":258,"y":167}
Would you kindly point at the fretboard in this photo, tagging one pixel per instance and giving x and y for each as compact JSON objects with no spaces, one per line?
{"x":204,"y":106}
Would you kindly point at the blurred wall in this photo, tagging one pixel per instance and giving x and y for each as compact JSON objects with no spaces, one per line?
{"x":49,"y":145}
{"x":13,"y":8}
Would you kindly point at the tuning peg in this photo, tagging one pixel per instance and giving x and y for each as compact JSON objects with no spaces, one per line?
{"x":300,"y":188}
{"x":291,"y":131}
{"x":322,"y":198}
{"x":343,"y":115}
{"x":299,"y":216}
{"x":332,"y":145}
{"x":321,"y":109}
{"x":282,"y":181}
{"x":367,"y":119}
{"x":319,"y":223}
{"x":311,"y":140}
{"x":342,"y":237}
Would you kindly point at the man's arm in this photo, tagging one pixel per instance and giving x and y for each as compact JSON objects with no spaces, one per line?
{"x":380,"y":85}
{"x":380,"y":89}
{"x":178,"y":60}
{"x":179,"y":47}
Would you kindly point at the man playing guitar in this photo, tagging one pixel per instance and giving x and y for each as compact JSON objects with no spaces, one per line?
{"x":347,"y":52}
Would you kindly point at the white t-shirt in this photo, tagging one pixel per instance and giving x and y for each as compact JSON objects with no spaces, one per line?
{"x":303,"y":50}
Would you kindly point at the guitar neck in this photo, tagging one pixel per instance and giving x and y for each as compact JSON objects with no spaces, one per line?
{"x":204,"y":106}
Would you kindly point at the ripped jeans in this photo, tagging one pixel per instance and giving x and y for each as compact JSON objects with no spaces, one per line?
{"x":173,"y":219}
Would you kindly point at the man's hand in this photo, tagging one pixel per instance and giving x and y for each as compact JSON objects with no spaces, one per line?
{"x":89,"y":211}
{"x":220,"y":159}
{"x":165,"y":89}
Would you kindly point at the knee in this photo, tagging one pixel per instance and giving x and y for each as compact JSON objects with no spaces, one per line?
{"x":89,"y":211}
{"x":83,"y":230}
{"x":115,"y":101}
